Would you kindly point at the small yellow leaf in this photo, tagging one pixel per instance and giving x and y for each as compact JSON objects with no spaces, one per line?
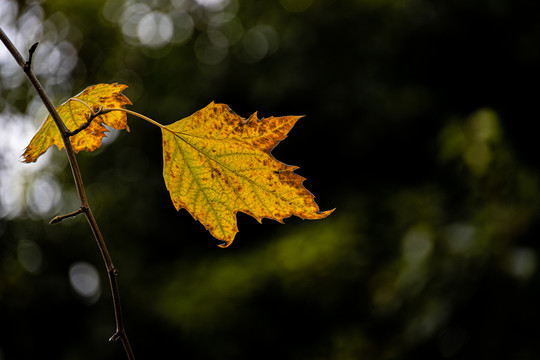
{"x":74,"y":113}
{"x":216,"y":163}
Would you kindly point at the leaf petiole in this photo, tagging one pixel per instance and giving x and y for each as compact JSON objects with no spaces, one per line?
{"x":138,"y":115}
{"x":82,"y":102}
{"x":103,"y":110}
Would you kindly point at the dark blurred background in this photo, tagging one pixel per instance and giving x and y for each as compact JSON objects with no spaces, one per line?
{"x":419,"y":128}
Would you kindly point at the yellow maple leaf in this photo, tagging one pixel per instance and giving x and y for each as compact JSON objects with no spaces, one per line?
{"x":216,"y":163}
{"x":75,"y":113}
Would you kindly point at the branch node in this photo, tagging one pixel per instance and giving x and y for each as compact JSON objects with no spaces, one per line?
{"x":117,"y":335}
{"x":28,"y":64}
{"x":88,"y":121}
{"x":113,"y":271}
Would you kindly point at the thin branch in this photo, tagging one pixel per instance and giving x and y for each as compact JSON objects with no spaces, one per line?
{"x":59,"y":218}
{"x":85,"y":208}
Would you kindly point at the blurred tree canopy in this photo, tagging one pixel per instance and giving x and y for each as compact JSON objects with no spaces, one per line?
{"x":416,"y":128}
